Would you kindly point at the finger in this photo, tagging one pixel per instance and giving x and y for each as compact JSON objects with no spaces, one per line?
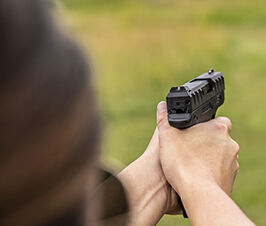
{"x":237,"y":166}
{"x":234,"y":150}
{"x":162,"y":121}
{"x":236,"y":147}
{"x":226,"y":121}
{"x":236,"y":170}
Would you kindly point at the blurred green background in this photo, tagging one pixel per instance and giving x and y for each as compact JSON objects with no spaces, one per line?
{"x":139,"y":49}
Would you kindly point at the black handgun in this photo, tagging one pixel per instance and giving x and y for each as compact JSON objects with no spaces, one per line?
{"x":195,"y":102}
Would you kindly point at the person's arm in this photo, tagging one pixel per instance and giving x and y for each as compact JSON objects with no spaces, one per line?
{"x":201,"y":164}
{"x":207,"y":204}
{"x":149,"y":194}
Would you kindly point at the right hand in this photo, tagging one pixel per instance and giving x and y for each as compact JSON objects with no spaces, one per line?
{"x":202,"y":153}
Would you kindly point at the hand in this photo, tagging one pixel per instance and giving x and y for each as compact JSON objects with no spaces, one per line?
{"x":202,"y":153}
{"x":201,"y":165}
{"x":149,"y":194}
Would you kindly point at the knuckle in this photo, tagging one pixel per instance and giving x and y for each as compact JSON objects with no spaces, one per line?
{"x":220,"y":127}
{"x":236,"y":146}
{"x":227,"y":120}
{"x":162,"y":123}
{"x":237,"y":166}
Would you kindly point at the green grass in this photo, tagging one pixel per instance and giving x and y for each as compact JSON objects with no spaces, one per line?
{"x":139,"y":49}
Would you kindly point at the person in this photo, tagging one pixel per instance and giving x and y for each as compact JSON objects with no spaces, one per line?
{"x":50,"y":136}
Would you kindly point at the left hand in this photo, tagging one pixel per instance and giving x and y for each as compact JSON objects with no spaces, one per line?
{"x":150,"y":196}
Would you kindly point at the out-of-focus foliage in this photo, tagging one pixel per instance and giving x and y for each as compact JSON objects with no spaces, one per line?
{"x":139,"y":49}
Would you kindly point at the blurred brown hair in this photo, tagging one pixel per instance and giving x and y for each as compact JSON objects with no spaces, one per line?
{"x":48,"y":120}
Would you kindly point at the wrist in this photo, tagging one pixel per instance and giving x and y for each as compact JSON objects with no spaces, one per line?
{"x":191,"y":189}
{"x":182,"y":177}
{"x":147,"y":189}
{"x":194,"y":184}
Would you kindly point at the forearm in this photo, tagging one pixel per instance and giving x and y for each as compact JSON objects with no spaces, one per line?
{"x":207,"y":204}
{"x":145,"y":186}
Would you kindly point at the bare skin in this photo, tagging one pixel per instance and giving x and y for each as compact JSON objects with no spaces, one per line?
{"x":202,"y":169}
{"x":150,"y":196}
{"x":199,"y":163}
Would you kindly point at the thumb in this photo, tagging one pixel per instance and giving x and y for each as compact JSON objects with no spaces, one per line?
{"x":162,"y":121}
